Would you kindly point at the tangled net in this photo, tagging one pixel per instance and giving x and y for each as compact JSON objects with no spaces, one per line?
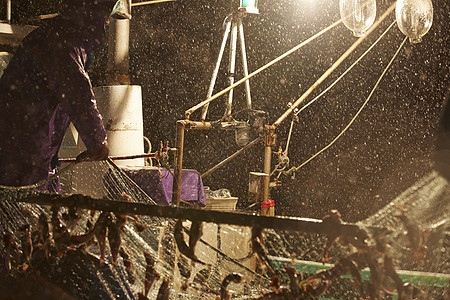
{"x":66,"y":252}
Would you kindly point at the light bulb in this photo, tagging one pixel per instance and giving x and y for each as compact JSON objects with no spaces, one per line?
{"x":414,"y":18}
{"x":358,"y":15}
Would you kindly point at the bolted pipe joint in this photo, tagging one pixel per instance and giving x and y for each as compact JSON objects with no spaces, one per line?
{"x":270,"y":136}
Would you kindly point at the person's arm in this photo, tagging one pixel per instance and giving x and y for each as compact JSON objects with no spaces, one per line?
{"x":78,"y":101}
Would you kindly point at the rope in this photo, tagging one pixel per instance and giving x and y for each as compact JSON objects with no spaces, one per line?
{"x":330,"y":86}
{"x":346,"y":71}
{"x":333,"y":67}
{"x":295,"y":169}
{"x":289,"y":135}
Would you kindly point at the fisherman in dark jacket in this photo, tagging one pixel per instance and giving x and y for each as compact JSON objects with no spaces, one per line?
{"x":45,"y":87}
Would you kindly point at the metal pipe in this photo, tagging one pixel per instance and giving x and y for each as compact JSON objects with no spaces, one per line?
{"x":190,"y":125}
{"x":333,"y":67}
{"x":44,"y":17}
{"x":201,"y":104}
{"x":197,"y":125}
{"x":66,"y":160}
{"x":216,"y":69}
{"x":232,"y":156}
{"x":119,"y":50}
{"x":150,"y":2}
{"x":176,"y":195}
{"x":193,"y":214}
{"x":267,"y":166}
{"x":244,"y":64}
{"x":183,"y":125}
{"x":231,"y":68}
{"x":8,"y":11}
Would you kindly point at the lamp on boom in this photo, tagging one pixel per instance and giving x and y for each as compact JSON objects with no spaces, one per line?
{"x":249,"y":6}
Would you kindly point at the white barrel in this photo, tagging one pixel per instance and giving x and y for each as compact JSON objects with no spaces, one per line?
{"x":121,"y":109}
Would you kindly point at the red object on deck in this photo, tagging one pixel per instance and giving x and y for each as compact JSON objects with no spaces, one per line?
{"x":268,"y":203}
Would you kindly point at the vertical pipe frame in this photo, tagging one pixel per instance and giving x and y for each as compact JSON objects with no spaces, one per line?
{"x":8,"y":11}
{"x":270,"y":141}
{"x":216,"y":69}
{"x":118,"y":57}
{"x":118,"y":51}
{"x":267,"y":166}
{"x":231,"y":67}
{"x":176,"y":195}
{"x":244,"y":64}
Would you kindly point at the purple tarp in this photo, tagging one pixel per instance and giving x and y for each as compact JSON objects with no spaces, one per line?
{"x":158,"y":184}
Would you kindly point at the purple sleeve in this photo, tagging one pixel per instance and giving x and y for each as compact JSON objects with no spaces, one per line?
{"x":78,"y":100}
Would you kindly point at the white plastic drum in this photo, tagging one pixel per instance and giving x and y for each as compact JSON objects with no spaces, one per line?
{"x":121,"y":109}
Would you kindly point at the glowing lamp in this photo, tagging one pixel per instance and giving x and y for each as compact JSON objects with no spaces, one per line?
{"x":358,"y":15}
{"x":249,"y":6}
{"x":414,"y":18}
{"x":119,"y":11}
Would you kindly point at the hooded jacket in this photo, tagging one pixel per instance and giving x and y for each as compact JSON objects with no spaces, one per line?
{"x":43,"y":89}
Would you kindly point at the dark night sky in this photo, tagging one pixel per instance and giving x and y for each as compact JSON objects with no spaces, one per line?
{"x":385,"y":151}
{"x":173,"y":51}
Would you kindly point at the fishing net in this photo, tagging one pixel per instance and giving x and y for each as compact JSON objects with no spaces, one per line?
{"x":426,"y":204}
{"x":79,"y":271}
{"x":149,"y":257}
{"x":426,"y":207}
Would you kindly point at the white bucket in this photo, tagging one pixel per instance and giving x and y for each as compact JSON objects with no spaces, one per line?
{"x":222,"y":204}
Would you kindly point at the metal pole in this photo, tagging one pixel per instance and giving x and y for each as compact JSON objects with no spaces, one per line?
{"x":231,"y":67}
{"x":270,"y":141}
{"x":229,"y":158}
{"x":217,"y":95}
{"x":176,"y":195}
{"x":201,"y":125}
{"x":194,"y":214}
{"x":244,"y":63}
{"x":122,"y":157}
{"x":150,"y":2}
{"x":118,"y":50}
{"x":333,"y":67}
{"x":8,"y":11}
{"x":267,"y":167}
{"x":216,"y":69}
